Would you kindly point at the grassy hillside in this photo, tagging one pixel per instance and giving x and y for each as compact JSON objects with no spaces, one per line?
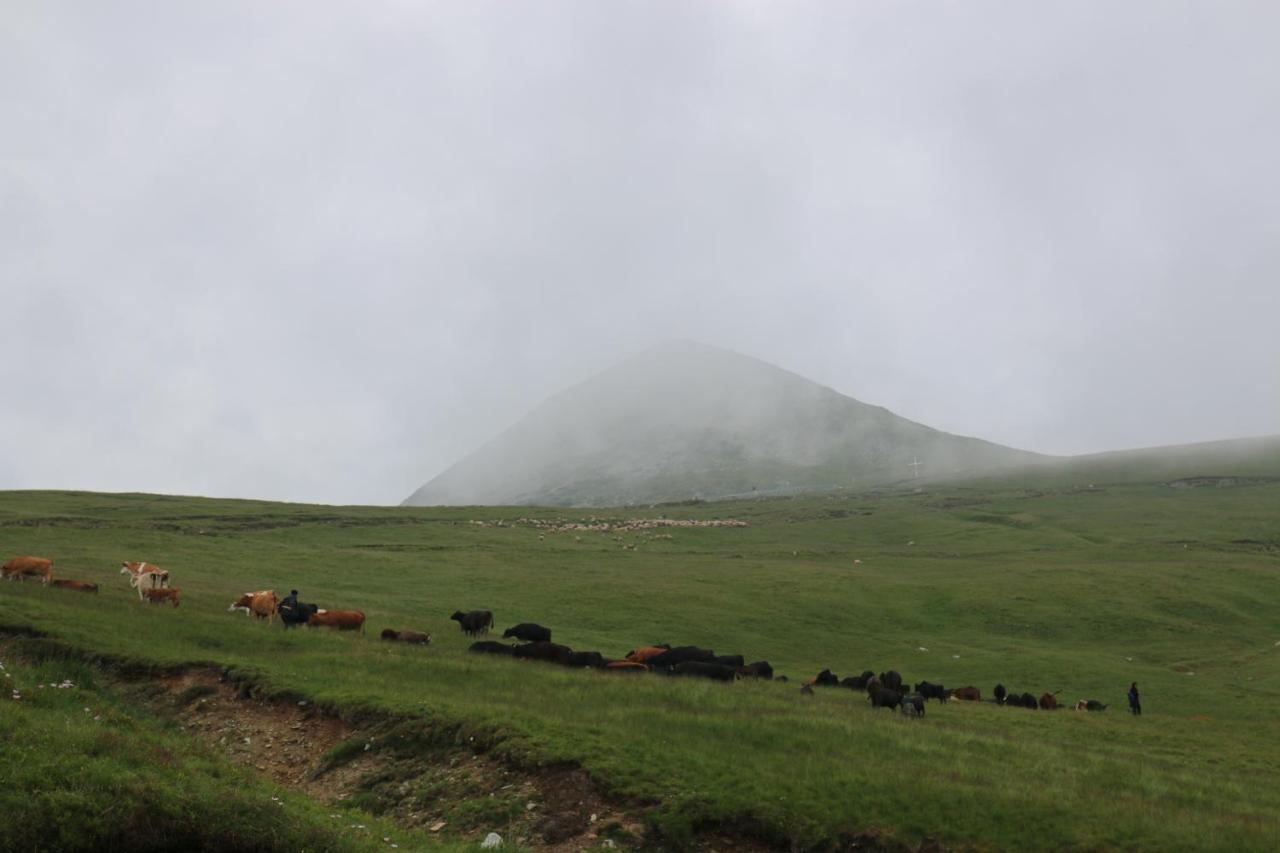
{"x":1042,"y":588}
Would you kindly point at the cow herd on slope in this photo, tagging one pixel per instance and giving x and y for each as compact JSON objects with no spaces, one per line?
{"x":884,"y":690}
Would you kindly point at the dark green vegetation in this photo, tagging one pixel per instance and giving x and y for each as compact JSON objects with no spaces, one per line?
{"x":81,"y":768}
{"x":687,"y":420}
{"x":1043,"y":585}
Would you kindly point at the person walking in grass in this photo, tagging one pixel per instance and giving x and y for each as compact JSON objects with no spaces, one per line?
{"x":1134,"y":705}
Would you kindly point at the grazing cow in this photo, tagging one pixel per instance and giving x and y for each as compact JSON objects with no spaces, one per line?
{"x":144,"y":574}
{"x":1048,"y":702}
{"x":591,"y":660}
{"x":967,"y":694}
{"x":529,"y":632}
{"x":734,"y":661}
{"x":416,"y":638}
{"x":260,"y":605}
{"x":21,"y":568}
{"x":1000,"y":694}
{"x":492,"y":647}
{"x":81,"y":586}
{"x":474,"y":623}
{"x":931,"y":691}
{"x":702,"y":669}
{"x":160,"y":596}
{"x":550,"y":652}
{"x":912,"y":706}
{"x":625,"y":666}
{"x":891,"y":680}
{"x":682,"y":654}
{"x":883,"y":697}
{"x":826,"y":678}
{"x":646,"y":653}
{"x":296,"y":615}
{"x":342,"y":620}
{"x":758,"y":669}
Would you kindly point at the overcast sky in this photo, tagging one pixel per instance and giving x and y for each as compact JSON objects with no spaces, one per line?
{"x":319,"y":251}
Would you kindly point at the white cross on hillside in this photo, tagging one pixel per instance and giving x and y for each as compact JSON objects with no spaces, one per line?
{"x":915,"y":464}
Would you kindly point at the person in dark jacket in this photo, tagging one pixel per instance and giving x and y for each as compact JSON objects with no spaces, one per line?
{"x":288,"y":608}
{"x":1134,"y":705}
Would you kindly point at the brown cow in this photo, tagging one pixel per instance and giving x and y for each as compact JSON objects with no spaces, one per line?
{"x":967,"y":694}
{"x":261,"y":604}
{"x":81,"y":586}
{"x":1049,"y":702}
{"x":343,"y":620}
{"x":21,"y":568}
{"x":647,"y":653}
{"x":160,"y":596}
{"x":626,"y":666}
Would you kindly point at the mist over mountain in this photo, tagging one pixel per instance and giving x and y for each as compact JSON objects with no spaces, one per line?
{"x":685,"y":420}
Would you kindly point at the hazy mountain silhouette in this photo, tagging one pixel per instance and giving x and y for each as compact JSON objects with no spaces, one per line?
{"x":687,"y":420}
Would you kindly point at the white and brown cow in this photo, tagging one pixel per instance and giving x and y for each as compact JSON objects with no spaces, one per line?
{"x":261,"y":604}
{"x":145,"y":576}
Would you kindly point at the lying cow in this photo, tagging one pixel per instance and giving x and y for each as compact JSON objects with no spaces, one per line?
{"x":1090,"y":705}
{"x":79,"y":586}
{"x":1048,"y":702}
{"x":475,"y":622}
{"x":682,"y":654}
{"x":858,"y":682}
{"x":826,"y":678}
{"x":260,"y":605}
{"x":342,"y":620}
{"x":550,"y":652}
{"x":529,"y":633}
{"x":416,"y":638}
{"x":702,"y":669}
{"x":160,"y":596}
{"x":734,"y":661}
{"x":491,"y":647}
{"x":625,"y":666}
{"x":757,"y":669}
{"x":646,"y":653}
{"x":21,"y":568}
{"x":967,"y":694}
{"x":590,"y":660}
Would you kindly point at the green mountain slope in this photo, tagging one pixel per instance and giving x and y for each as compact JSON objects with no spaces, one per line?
{"x":686,"y":420}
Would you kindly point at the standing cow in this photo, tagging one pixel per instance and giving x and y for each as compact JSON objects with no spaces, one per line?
{"x":21,"y":568}
{"x":474,"y":623}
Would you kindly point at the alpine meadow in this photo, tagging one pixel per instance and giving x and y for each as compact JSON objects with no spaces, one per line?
{"x":1156,"y":567}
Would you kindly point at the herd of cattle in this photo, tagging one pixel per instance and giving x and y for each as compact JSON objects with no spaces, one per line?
{"x":884,"y":690}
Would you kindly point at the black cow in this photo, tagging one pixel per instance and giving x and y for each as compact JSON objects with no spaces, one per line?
{"x":891,"y":680}
{"x":1094,"y":705}
{"x":550,"y":652}
{"x":826,"y":678}
{"x":682,"y":654}
{"x":858,"y":682}
{"x":912,"y":705}
{"x":734,"y":661}
{"x":1001,"y":693}
{"x":1029,"y":701}
{"x":882,"y":697}
{"x":529,"y":632}
{"x":758,"y":669}
{"x":595,"y":660}
{"x":491,"y":647}
{"x":292,"y":617}
{"x":705,"y":670}
{"x":931,"y":691}
{"x":474,"y":623}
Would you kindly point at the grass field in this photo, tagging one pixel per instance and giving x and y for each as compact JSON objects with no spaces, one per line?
{"x":1045,"y":585}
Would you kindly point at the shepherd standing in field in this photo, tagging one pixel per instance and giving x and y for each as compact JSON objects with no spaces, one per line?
{"x":1134,"y":705}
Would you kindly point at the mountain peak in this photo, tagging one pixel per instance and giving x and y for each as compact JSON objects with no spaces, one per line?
{"x":685,"y":419}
